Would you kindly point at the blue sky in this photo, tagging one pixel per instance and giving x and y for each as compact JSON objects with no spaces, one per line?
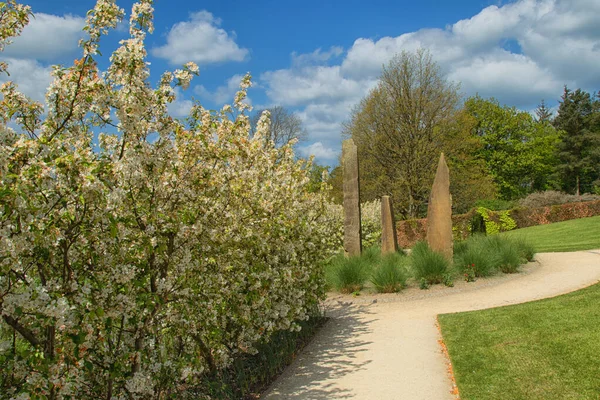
{"x":319,"y":58}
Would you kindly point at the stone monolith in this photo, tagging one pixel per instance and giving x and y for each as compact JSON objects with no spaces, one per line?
{"x":389,"y":240}
{"x":352,"y":243}
{"x":439,"y":212}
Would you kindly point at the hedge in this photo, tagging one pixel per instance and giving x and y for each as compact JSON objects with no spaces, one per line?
{"x":486,"y":221}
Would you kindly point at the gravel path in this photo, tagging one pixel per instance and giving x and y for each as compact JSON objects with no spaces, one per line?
{"x":386,"y":346}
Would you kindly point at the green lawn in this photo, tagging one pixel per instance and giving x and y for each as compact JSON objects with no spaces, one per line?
{"x":548,"y":349}
{"x":577,"y":234}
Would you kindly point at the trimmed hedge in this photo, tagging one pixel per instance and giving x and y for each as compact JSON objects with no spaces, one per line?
{"x":525,"y":217}
{"x":483,"y":220}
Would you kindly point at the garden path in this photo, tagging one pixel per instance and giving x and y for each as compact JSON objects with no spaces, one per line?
{"x":386,"y":346}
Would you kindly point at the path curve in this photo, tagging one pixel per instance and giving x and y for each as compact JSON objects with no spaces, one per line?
{"x":386,"y":346}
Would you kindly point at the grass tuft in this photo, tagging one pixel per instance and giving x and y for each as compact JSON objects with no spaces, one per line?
{"x":390,"y":275}
{"x":485,"y":255}
{"x":476,"y":254}
{"x":429,"y":265}
{"x":349,"y":274}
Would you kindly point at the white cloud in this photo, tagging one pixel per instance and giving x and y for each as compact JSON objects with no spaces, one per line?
{"x":519,"y":53}
{"x":324,"y":155}
{"x":47,"y":38}
{"x":181,"y":107}
{"x":223,"y":94}
{"x":31,"y":77}
{"x":291,"y":87}
{"x":200,"y":40}
{"x":316,"y":57}
{"x":514,"y":78}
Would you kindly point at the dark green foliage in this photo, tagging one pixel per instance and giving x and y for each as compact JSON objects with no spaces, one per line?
{"x":448,"y":280}
{"x":249,"y":375}
{"x":316,"y":177}
{"x":519,"y":151}
{"x":496,"y":204}
{"x":428,"y":264}
{"x":578,"y":120}
{"x":543,"y":113}
{"x":390,"y":274}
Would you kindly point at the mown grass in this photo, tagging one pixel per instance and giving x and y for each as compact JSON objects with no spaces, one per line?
{"x":546,"y":349}
{"x":577,"y":234}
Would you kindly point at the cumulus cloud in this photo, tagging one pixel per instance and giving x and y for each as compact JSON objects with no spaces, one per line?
{"x":200,"y":39}
{"x":31,"y":77}
{"x":316,"y":57}
{"x":47,"y":38}
{"x":325,"y":155}
{"x":519,"y":52}
{"x":223,"y":94}
{"x":182,"y":106}
{"x":291,"y":87}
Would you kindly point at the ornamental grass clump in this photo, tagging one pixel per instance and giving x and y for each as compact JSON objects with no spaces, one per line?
{"x":507,"y":255}
{"x":428,"y":265}
{"x":526,"y":249}
{"x":390,"y":275}
{"x":349,"y":274}
{"x":476,"y":255}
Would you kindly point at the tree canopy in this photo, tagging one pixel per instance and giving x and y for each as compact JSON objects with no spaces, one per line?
{"x":578,"y":120}
{"x":518,"y":151}
{"x":401,"y":128}
{"x":285,"y":126}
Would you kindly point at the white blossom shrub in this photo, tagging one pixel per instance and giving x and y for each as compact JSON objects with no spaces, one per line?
{"x":370,"y":225}
{"x":129,"y":270}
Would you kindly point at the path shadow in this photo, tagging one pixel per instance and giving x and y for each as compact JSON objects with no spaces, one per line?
{"x":335,"y":351}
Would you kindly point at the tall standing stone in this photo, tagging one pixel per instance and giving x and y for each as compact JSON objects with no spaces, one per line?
{"x":389,"y":240}
{"x":352,"y":243}
{"x":439,"y":212}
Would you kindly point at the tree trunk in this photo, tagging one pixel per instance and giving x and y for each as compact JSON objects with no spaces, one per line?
{"x":577,"y":186}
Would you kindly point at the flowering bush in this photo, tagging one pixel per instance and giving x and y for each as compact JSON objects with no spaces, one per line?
{"x":370,"y":214}
{"x":130,"y":270}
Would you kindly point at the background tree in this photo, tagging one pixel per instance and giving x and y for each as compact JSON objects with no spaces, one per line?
{"x":518,"y":151}
{"x":401,"y":127}
{"x":578,"y":119}
{"x":543,"y":113}
{"x":285,"y":126}
{"x":317,"y":175}
{"x":336,"y":181}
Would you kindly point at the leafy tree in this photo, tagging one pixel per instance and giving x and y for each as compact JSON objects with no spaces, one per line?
{"x":401,"y":127}
{"x":518,"y":151}
{"x":578,"y":120}
{"x":285,"y":126}
{"x":336,"y":181}
{"x":543,"y":113}
{"x":318,"y":176}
